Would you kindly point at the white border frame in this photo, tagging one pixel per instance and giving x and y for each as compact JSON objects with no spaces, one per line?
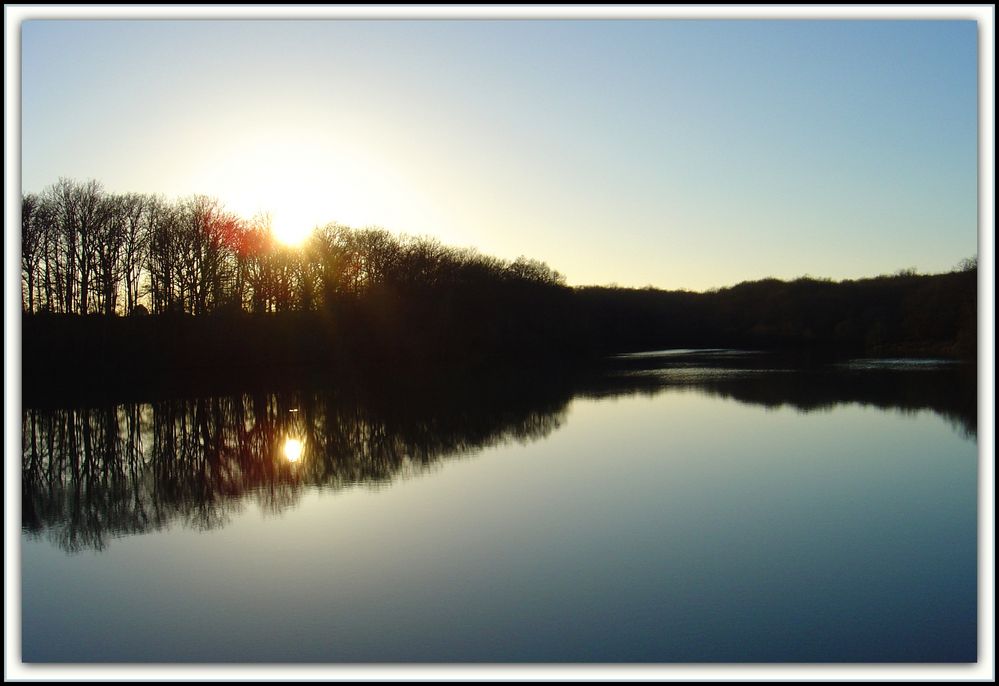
{"x":984,"y":670}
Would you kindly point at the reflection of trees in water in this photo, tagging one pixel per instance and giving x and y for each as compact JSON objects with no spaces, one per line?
{"x":93,"y":474}
{"x":949,"y":391}
{"x":84,"y":470}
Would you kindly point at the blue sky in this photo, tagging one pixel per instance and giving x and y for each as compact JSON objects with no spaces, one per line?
{"x":677,"y":153}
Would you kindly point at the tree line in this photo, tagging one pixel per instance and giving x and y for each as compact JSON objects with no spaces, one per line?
{"x":346,"y":295}
{"x":87,"y":251}
{"x":903,"y":314}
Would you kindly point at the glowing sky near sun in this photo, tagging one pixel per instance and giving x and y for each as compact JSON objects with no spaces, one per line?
{"x":684,"y":154}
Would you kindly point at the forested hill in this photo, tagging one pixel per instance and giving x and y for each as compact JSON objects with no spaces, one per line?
{"x":904,"y":314}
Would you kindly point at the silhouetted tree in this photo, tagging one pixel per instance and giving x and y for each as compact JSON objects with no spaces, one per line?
{"x":534,"y":270}
{"x":134,"y":212}
{"x":31,"y":247}
{"x":81,"y":210}
{"x":968,"y":264}
{"x":164,"y":239}
{"x":108,"y":241}
{"x":255,"y":263}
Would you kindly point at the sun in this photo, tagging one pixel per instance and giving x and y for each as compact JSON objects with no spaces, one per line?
{"x":291,"y":227}
{"x":292,"y":235}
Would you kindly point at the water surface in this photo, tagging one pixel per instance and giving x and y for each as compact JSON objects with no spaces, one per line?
{"x":696,"y":507}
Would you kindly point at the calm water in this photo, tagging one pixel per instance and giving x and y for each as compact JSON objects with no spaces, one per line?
{"x":695,"y":507}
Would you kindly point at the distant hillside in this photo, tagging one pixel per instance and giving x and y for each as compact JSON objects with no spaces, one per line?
{"x":905,"y":314}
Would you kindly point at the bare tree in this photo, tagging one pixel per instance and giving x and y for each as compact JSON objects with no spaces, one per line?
{"x":330,"y":249}
{"x":92,"y":211}
{"x":135,"y":243}
{"x":164,"y":239}
{"x":31,"y":244}
{"x":64,"y":198}
{"x":109,"y":236}
{"x":206,"y":254}
{"x":81,"y":213}
{"x":47,"y":278}
{"x":256,"y":261}
{"x":534,"y":270}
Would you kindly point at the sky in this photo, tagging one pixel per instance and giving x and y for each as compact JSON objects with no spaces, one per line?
{"x":674,"y":153}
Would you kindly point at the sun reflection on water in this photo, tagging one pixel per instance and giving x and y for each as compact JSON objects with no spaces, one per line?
{"x":293,"y":449}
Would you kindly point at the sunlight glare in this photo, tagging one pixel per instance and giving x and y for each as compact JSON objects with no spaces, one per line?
{"x":305,"y":179}
{"x":292,"y":228}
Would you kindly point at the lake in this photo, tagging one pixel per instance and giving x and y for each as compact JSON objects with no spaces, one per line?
{"x":681,"y":506}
